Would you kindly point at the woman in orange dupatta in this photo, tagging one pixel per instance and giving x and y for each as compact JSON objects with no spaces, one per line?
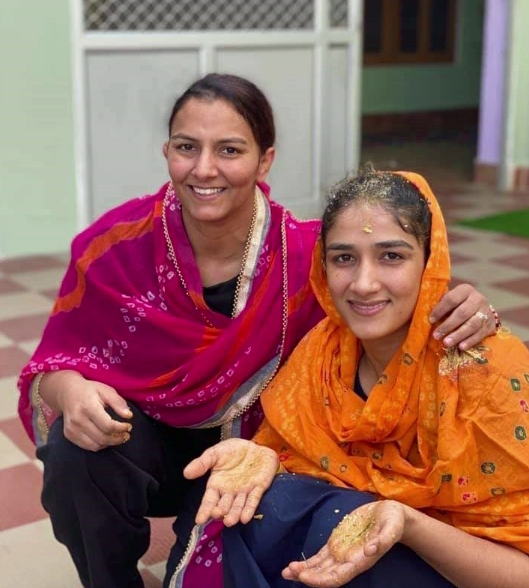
{"x":431,"y":444}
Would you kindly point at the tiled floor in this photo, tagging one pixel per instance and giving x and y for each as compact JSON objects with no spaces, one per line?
{"x":29,"y":556}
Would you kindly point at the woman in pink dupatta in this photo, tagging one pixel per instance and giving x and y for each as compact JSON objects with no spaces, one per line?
{"x":175,"y":312}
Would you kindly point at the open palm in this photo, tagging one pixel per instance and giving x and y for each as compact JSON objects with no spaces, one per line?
{"x":356,"y":544}
{"x":241,"y":471}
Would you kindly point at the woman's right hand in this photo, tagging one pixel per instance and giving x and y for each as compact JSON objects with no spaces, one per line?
{"x":241,"y":472}
{"x":355,"y":545}
{"x":83,"y":405}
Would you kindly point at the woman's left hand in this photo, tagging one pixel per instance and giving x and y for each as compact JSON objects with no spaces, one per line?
{"x":469,"y":318}
{"x":374,"y":527}
{"x":241,"y":472}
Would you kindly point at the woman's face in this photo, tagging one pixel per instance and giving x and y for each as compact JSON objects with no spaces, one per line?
{"x":374,"y":271}
{"x":214,"y":161}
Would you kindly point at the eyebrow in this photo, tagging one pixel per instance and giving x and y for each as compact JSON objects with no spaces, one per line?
{"x":382,"y":245}
{"x":185,"y":137}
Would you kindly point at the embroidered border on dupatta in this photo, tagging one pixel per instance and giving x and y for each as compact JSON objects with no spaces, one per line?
{"x":262,"y":223}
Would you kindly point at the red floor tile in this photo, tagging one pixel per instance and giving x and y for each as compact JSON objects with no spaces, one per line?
{"x":31,"y":263}
{"x":511,"y":240}
{"x":517,"y":315}
{"x":162,"y":539}
{"x":12,"y":360}
{"x":7,"y":286}
{"x":15,"y":431}
{"x":517,"y":261}
{"x":454,"y":238}
{"x":20,"y":488}
{"x":457,"y":258}
{"x":520,"y":286}
{"x":457,"y":281}
{"x":24,"y":328}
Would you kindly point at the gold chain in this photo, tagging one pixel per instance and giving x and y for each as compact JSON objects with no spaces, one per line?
{"x":172,"y":253}
{"x":245,"y":254}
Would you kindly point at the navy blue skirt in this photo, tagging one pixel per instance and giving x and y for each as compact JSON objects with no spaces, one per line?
{"x":298,"y":516}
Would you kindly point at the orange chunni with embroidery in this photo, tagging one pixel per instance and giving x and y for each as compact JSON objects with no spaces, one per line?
{"x":446,"y":433}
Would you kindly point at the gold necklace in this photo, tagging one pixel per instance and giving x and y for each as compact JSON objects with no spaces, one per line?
{"x":172,"y":253}
{"x":245,"y":254}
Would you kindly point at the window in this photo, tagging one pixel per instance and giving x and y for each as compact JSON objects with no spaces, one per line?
{"x":409,"y":31}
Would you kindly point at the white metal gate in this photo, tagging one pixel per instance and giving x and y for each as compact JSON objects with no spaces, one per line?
{"x":132,"y":58}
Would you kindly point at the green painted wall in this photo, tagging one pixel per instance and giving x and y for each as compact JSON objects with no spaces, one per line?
{"x":519,"y":84}
{"x":37,"y":186}
{"x":37,"y":174}
{"x":409,"y":88}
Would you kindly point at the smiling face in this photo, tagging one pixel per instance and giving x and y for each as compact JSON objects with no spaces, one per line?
{"x":374,"y":271}
{"x":214,"y":161}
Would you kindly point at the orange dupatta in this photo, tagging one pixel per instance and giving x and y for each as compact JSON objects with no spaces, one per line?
{"x":441,"y":431}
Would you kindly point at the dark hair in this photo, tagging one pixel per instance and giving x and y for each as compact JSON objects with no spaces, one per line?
{"x":243,"y":95}
{"x":393,"y":192}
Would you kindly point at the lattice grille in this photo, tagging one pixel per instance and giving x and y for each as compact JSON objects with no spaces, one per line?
{"x":338,"y":13}
{"x":160,"y":15}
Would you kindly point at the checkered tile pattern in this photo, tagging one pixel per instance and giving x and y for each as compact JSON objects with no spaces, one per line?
{"x":29,"y":556}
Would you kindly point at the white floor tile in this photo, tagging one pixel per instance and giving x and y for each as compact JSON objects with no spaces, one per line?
{"x":40,"y":280}
{"x":10,"y":454}
{"x":8,"y":397}
{"x":5,"y":341}
{"x":29,"y":346}
{"x":483,"y":245}
{"x":486,"y":272}
{"x":158,"y":569}
{"x":30,"y":557}
{"x":501,"y":299}
{"x":23,"y":304}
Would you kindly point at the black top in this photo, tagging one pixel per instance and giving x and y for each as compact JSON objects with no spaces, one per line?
{"x":220,"y":297}
{"x":357,"y":388}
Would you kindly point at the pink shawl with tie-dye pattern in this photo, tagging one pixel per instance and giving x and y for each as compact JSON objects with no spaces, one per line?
{"x":124,"y":317}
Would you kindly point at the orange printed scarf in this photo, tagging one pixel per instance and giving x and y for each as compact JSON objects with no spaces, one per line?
{"x":443,"y":432}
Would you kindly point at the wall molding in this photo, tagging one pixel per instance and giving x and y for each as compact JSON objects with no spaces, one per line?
{"x":421,"y":124}
{"x":521,"y":178}
{"x":486,"y":173}
{"x":489,"y":174}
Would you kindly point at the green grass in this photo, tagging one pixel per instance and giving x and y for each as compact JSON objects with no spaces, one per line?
{"x":514,"y":223}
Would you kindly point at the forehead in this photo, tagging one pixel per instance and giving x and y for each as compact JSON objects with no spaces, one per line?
{"x":366,"y":222}
{"x":216,"y":115}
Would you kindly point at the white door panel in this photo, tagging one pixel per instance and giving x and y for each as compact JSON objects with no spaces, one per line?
{"x":134,"y":57}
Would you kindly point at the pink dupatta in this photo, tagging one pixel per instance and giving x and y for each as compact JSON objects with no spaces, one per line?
{"x":126,"y":317}
{"x":123,"y":316}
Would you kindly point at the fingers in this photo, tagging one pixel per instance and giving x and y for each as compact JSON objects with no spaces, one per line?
{"x":209,"y":502}
{"x":470,"y":333}
{"x":237,"y":509}
{"x":113,"y":400}
{"x":320,"y":570}
{"x":89,"y":436}
{"x":469,"y":321}
{"x":199,"y":466}
{"x":112,"y":430}
{"x":251,"y":503}
{"x":330,"y":577}
{"x":231,"y":508}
